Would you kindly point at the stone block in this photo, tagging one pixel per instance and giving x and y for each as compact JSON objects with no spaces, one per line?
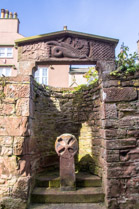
{"x":20,"y":189}
{"x":110,"y":123}
{"x":122,"y":170}
{"x":134,"y":155}
{"x":17,"y":90}
{"x":8,"y":166}
{"x":11,"y":203}
{"x":13,"y":126}
{"x":111,"y":83}
{"x":22,"y":107}
{"x":6,"y":151}
{"x":121,"y":143}
{"x":18,"y":145}
{"x":6,"y":141}
{"x":130,"y":122}
{"x":6,"y":109}
{"x":6,"y":145}
{"x":119,"y":94}
{"x":127,"y":83}
{"x":110,"y":111}
{"x":128,"y":107}
{"x":108,"y":133}
{"x":112,"y":155}
{"x":114,"y":188}
{"x":134,"y":133}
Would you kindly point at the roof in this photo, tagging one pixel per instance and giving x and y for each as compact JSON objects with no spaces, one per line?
{"x":64,"y":32}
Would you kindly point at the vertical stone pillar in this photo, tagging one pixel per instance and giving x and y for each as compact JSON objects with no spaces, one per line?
{"x":119,"y":133}
{"x":66,"y":147}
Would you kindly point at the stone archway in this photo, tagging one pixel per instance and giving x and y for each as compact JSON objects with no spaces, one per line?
{"x":67,"y":47}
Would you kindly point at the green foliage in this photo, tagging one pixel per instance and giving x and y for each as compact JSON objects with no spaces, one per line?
{"x":79,"y":88}
{"x":91,"y":75}
{"x":125,"y":63}
{"x":92,"y":78}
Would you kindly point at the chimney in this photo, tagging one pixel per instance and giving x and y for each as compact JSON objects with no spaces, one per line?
{"x":6,"y":13}
{"x":11,"y":15}
{"x":65,"y":27}
{"x":15,"y":15}
{"x":2,"y":13}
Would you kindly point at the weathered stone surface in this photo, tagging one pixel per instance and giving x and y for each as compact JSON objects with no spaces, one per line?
{"x":17,"y":90}
{"x":121,"y":143}
{"x":11,"y":203}
{"x":6,"y":144}
{"x":110,"y":111}
{"x":22,"y":107}
{"x":7,"y":109}
{"x":134,"y":133}
{"x":130,"y":122}
{"x":111,"y":83}
{"x":68,"y":206}
{"x":18,"y":145}
{"x":112,"y":155}
{"x":111,"y":134}
{"x":114,"y":188}
{"x":8,"y":167}
{"x":13,"y":126}
{"x":119,"y":94}
{"x":66,"y":146}
{"x":20,"y":189}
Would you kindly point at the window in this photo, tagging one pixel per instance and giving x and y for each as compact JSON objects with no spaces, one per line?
{"x":6,"y":71}
{"x":6,"y":52}
{"x":41,"y":75}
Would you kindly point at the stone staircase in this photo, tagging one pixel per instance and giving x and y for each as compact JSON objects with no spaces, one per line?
{"x":47,"y":193}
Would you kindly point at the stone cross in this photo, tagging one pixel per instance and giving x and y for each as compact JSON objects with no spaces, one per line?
{"x":66,"y":146}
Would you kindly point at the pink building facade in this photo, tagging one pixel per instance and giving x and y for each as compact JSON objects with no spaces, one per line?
{"x":9,"y":32}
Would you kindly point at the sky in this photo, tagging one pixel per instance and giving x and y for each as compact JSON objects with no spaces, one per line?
{"x":111,"y":18}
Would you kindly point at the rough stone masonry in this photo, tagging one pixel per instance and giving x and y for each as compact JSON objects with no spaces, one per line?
{"x":104,"y":118}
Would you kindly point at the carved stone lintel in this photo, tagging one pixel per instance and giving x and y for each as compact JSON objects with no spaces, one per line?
{"x":66,"y":49}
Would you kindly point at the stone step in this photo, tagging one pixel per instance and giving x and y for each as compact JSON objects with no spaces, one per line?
{"x":55,"y":195}
{"x":69,"y":206}
{"x":82,"y":180}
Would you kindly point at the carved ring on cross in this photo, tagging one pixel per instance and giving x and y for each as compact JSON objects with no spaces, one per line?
{"x":66,"y":145}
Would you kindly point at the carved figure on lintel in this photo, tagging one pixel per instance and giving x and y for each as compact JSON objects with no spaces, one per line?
{"x":70,"y":48}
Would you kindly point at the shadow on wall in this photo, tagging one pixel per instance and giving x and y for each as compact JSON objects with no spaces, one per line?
{"x":58,"y":111}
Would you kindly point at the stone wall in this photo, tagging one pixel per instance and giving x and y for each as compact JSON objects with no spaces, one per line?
{"x":120,"y":139}
{"x":14,"y":140}
{"x":31,"y":118}
{"x":58,"y":111}
{"x":104,"y":118}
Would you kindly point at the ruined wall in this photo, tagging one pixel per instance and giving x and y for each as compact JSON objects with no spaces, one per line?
{"x":14,"y":141}
{"x":120,"y":138}
{"x":58,"y":111}
{"x":31,"y":117}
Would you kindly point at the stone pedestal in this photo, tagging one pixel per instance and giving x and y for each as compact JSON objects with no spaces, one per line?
{"x":66,"y":147}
